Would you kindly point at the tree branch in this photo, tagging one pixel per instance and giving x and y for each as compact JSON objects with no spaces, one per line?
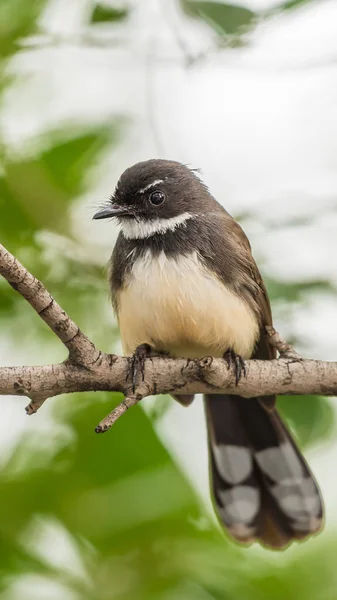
{"x":89,"y":369}
{"x":79,"y":346}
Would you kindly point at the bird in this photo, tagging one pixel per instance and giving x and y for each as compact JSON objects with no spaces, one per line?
{"x":184,"y":283}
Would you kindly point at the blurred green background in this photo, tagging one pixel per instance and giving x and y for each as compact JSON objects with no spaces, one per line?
{"x":88,"y":88}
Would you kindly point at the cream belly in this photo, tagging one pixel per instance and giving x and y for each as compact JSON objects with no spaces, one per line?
{"x":175,"y":305}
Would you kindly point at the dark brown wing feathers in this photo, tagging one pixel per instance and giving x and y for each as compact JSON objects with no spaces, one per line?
{"x":262,"y":486}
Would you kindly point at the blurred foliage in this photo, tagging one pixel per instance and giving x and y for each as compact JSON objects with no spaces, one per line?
{"x":106,"y":14}
{"x":226,"y":19}
{"x":113,"y":516}
{"x":40,"y":189}
{"x":119,"y":499}
{"x":232,"y":21}
{"x":36,"y":194}
{"x":312,"y":418}
{"x":292,"y":292}
{"x":292,"y":4}
{"x":17,"y":19}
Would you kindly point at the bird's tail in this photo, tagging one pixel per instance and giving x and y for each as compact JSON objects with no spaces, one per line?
{"x":263,"y":489}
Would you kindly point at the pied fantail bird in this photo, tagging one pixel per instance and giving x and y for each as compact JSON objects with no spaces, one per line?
{"x":184,"y":283}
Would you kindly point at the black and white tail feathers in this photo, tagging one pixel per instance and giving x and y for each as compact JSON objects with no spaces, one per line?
{"x":263,"y":489}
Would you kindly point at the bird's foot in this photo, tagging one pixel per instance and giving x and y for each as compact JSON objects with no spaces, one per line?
{"x":235,"y":361}
{"x":137,"y":364}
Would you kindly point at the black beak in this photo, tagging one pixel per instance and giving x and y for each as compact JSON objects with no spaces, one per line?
{"x":111,"y":211}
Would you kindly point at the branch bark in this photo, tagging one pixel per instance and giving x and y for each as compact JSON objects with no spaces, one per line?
{"x":89,"y":369}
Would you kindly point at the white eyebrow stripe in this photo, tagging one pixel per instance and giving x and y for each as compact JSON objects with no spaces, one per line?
{"x":150,"y":185}
{"x":140,"y":230}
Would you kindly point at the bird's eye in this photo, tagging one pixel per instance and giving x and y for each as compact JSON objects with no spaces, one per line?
{"x":157,"y":198}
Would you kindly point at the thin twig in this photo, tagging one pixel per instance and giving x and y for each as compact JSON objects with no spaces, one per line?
{"x":117,"y":412}
{"x":285,"y":349}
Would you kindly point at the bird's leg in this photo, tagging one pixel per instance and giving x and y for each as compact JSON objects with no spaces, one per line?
{"x":137,"y":364}
{"x":235,"y":361}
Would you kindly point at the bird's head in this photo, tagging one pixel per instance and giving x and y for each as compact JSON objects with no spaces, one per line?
{"x":153,"y":193}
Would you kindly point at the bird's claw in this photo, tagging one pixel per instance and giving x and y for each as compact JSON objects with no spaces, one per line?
{"x":235,"y":361}
{"x":137,"y":364}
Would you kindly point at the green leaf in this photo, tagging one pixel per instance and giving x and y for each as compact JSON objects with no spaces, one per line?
{"x":36,"y":192}
{"x":290,"y":4}
{"x":234,"y":20}
{"x":287,"y":6}
{"x":292,"y":292}
{"x":17,"y":20}
{"x":226,"y":19}
{"x":312,"y":418}
{"x":107,"y":14}
{"x":120,"y":493}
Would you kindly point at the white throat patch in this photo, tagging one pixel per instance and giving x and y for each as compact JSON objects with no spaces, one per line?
{"x":137,"y":230}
